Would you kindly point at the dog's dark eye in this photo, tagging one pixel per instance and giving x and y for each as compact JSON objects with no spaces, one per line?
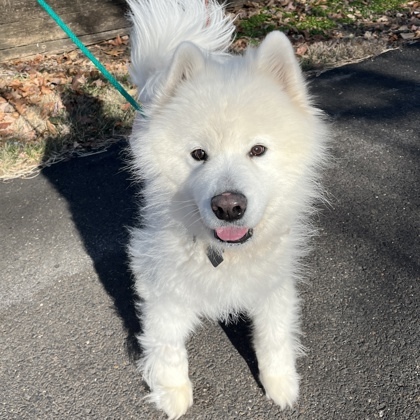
{"x":199,"y":154}
{"x":257,"y":150}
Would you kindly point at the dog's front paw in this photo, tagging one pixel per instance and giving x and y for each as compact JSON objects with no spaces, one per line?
{"x":282,"y":389}
{"x":174,"y":401}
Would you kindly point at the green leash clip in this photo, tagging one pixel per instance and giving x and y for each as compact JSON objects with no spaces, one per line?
{"x":89,"y":55}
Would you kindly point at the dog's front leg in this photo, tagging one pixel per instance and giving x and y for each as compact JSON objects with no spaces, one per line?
{"x":166,"y":326}
{"x":276,"y":344}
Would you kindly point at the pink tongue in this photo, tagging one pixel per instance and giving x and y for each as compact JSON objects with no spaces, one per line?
{"x":231,"y":233}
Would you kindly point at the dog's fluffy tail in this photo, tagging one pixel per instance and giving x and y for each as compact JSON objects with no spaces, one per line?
{"x":159,"y":26}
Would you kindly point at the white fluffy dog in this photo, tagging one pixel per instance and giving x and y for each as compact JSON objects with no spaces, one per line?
{"x":228,"y":152}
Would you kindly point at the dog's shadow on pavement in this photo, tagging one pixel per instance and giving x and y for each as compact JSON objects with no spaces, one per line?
{"x":101,"y":199}
{"x":239,"y":334}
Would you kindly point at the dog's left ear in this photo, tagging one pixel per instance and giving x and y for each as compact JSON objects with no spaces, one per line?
{"x":276,"y":57}
{"x":187,"y":61}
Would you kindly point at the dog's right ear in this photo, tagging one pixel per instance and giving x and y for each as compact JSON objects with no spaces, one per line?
{"x":276,"y":57}
{"x":187,"y":61}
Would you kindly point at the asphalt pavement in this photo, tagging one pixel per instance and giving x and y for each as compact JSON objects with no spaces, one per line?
{"x":67,"y":318}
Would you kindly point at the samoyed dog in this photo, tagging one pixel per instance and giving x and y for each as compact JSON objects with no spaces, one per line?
{"x":228,"y":150}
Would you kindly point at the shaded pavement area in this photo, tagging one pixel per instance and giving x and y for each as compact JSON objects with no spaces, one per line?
{"x":67,"y":319}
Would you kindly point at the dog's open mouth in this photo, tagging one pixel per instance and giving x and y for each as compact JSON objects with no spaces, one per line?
{"x":233,"y":234}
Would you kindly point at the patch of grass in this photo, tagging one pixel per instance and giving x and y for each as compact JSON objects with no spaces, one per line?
{"x":328,"y":54}
{"x":327,"y":33}
{"x":367,"y":8}
{"x":19,"y":158}
{"x":314,"y":25}
{"x":256,"y":26}
{"x":314,"y":17}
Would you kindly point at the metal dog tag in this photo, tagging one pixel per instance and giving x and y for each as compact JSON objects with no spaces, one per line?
{"x":214,"y":256}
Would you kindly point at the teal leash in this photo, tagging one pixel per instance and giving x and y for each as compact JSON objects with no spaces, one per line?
{"x":89,"y":55}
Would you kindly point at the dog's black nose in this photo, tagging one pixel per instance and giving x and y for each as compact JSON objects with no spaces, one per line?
{"x":229,"y":206}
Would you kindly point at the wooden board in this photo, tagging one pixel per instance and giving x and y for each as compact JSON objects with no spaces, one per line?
{"x":26,"y":29}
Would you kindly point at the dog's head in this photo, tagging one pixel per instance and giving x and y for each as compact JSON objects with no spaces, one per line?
{"x":230,"y":144}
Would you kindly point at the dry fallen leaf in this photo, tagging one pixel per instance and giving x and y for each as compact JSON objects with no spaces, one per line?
{"x":302,"y":49}
{"x":115,"y":52}
{"x":20,"y":106}
{"x":45,"y":90}
{"x":407,"y":35}
{"x":5,"y":125}
{"x":51,"y":127}
{"x":78,"y":81}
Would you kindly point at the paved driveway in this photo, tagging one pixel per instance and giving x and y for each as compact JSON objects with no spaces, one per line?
{"x":66,"y":310}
